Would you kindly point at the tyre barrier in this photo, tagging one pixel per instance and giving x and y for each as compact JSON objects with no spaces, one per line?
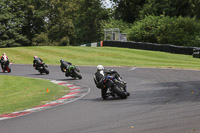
{"x":196,"y":53}
{"x":151,"y":46}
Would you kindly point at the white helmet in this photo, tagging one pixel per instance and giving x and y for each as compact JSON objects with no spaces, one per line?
{"x":100,"y":67}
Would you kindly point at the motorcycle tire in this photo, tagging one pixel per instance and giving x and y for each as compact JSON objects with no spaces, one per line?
{"x":40,"y":71}
{"x":66,"y":74}
{"x":46,"y":71}
{"x":78,"y":74}
{"x":8,"y":69}
{"x":119,"y":92}
{"x":104,"y":94}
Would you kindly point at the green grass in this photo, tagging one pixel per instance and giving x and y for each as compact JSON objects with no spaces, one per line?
{"x":19,"y":93}
{"x":107,"y":56}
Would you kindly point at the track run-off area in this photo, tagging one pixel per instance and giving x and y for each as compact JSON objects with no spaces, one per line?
{"x":160,"y":101}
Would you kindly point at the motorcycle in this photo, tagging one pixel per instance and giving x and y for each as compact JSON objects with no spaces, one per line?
{"x":115,"y":87}
{"x":42,"y":68}
{"x":6,"y":66}
{"x":72,"y":71}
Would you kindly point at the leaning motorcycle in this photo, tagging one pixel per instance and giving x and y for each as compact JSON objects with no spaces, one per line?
{"x":115,"y":87}
{"x":73,"y":71}
{"x":42,"y":68}
{"x":6,"y":66}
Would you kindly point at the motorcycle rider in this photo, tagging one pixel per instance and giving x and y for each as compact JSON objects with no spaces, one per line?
{"x":36,"y":62}
{"x":99,"y":78}
{"x":65,"y":66}
{"x":4,"y":60}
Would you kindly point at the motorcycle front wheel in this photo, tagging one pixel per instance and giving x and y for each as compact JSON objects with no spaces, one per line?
{"x":104,"y":93}
{"x":78,"y":74}
{"x":119,"y":92}
{"x":8,"y":69}
{"x":46,"y":70}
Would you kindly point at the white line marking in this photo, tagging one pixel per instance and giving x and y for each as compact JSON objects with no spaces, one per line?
{"x":133,"y":68}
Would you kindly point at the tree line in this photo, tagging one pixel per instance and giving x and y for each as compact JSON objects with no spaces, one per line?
{"x":67,"y":22}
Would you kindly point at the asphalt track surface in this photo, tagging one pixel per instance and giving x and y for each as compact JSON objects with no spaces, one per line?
{"x":161,"y":101}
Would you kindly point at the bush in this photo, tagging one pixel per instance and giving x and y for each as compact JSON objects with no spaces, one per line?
{"x":182,"y":31}
{"x":41,"y":40}
{"x":64,"y":41}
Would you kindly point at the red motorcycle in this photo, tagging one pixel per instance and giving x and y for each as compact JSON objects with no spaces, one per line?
{"x":6,"y":66}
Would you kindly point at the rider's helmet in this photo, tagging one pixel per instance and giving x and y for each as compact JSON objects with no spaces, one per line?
{"x":100,"y":68}
{"x":5,"y":58}
{"x":35,"y":57}
{"x":61,"y":60}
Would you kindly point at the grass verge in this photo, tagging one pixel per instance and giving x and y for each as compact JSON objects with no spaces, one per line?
{"x":19,"y":93}
{"x":107,"y":56}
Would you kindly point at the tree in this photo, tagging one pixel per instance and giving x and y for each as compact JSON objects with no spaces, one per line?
{"x":88,"y":26}
{"x":61,"y":18}
{"x":189,"y":8}
{"x":41,"y":22}
{"x":181,"y":31}
{"x":128,"y":10}
{"x":11,"y":24}
{"x":133,"y":10}
{"x":35,"y":12}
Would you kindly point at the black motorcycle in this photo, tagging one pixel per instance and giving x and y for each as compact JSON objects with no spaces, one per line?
{"x":71,"y":71}
{"x":42,"y":68}
{"x":6,"y":66}
{"x":115,"y":87}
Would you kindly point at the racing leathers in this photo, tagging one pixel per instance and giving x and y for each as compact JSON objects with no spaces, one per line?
{"x":37,"y":62}
{"x":65,"y":66}
{"x":4,"y":61}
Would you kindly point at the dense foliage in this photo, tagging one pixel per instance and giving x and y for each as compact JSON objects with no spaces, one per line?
{"x":131,"y":10}
{"x":50,"y":22}
{"x":169,"y":30}
{"x":161,"y":21}
{"x":66,"y":22}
